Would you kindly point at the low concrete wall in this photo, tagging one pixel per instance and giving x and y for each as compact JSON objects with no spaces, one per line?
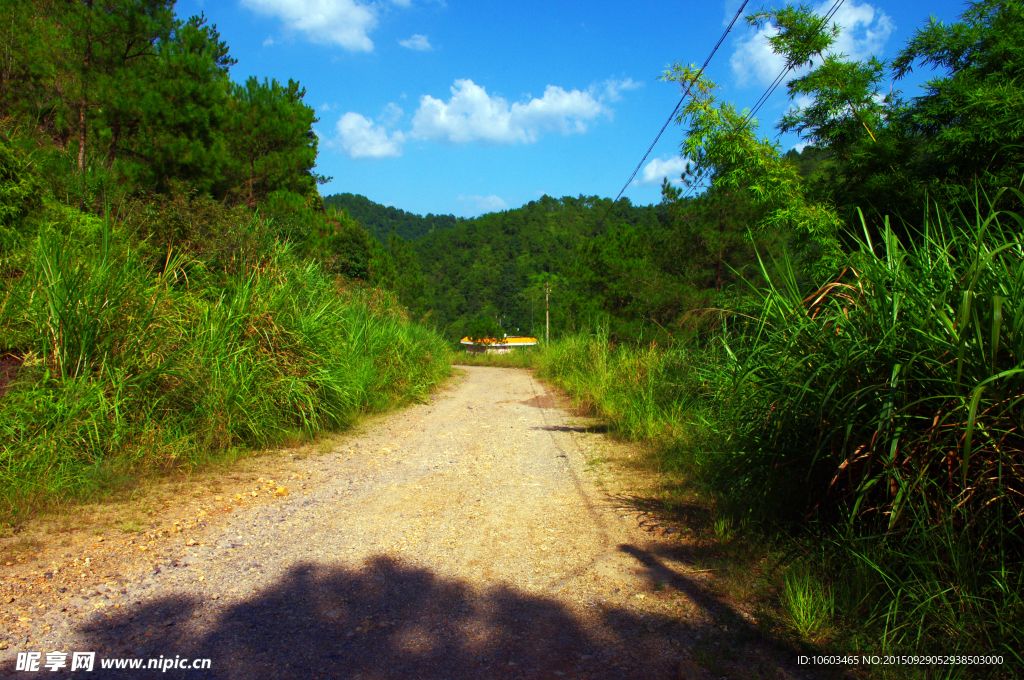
{"x":482,"y":349}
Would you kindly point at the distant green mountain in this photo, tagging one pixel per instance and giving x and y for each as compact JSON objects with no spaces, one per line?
{"x":496,"y":266}
{"x":379,"y":219}
{"x":809,"y":161}
{"x":634,"y":270}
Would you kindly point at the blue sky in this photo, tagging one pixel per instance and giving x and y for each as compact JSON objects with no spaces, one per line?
{"x":451,"y":106}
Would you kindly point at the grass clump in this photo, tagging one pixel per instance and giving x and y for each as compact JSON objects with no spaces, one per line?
{"x":875,"y":417}
{"x":124,"y":367}
{"x":810,"y":603}
{"x":517,"y":358}
{"x":644,"y":392}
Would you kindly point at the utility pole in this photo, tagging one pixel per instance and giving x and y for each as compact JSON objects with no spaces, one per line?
{"x":547,"y":315}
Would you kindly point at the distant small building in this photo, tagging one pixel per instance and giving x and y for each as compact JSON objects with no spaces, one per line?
{"x":496,"y":346}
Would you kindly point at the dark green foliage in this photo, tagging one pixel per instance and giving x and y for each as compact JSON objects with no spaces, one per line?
{"x":400,"y":272}
{"x":393,"y":262}
{"x":885,"y":154}
{"x":969,"y":118}
{"x":126,"y":99}
{"x":381,"y":220}
{"x":809,"y":161}
{"x":484,"y":326}
{"x":494,"y":261}
{"x":711,"y":244}
{"x":332,"y":238}
{"x":220,"y":237}
{"x":30,"y":72}
{"x":640,"y":271}
{"x":110,"y":54}
{"x":271,"y":138}
{"x":345,"y":248}
{"x":169,"y":126}
{"x":19,"y":193}
{"x":614,"y":280}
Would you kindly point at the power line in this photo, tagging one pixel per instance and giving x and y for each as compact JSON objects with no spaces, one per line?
{"x":770,"y":91}
{"x":676,"y":109}
{"x":765,"y":96}
{"x":778,"y":80}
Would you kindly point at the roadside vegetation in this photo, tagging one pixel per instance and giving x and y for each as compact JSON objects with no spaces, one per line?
{"x":827,"y":345}
{"x":171,"y":286}
{"x":872,"y":424}
{"x":517,"y":358}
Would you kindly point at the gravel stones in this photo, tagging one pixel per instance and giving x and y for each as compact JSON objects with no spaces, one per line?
{"x":457,"y":539}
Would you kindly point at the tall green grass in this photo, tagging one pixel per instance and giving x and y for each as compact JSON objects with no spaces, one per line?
{"x":645,"y":393}
{"x":517,"y":358}
{"x":126,"y":369}
{"x":879,"y":412}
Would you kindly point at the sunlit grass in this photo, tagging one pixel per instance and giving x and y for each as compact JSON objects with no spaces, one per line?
{"x":127,"y":371}
{"x":809,"y":603}
{"x":517,"y":358}
{"x":874,"y":418}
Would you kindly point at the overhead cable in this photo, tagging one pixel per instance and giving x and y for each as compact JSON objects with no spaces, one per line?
{"x":681,"y":99}
{"x":768,"y":92}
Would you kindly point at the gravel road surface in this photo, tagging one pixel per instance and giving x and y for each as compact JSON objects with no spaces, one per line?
{"x":463,"y":538}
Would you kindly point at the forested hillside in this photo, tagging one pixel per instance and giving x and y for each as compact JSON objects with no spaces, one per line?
{"x":171,"y":286}
{"x":382,"y":220}
{"x":635,"y":270}
{"x":497,"y":265}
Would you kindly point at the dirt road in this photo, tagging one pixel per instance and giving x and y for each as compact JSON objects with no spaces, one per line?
{"x":464,"y":538}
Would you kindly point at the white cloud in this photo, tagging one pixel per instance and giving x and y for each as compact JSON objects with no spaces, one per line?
{"x":268,"y":42}
{"x":865,"y":31}
{"x":341,"y":22}
{"x":754,"y":60}
{"x":473,"y":115}
{"x":660,"y":168}
{"x":391,"y":114}
{"x":613,"y":88}
{"x":484,"y":204}
{"x":803,"y":101}
{"x":360,"y":138}
{"x":417,"y":42}
{"x":798,"y":104}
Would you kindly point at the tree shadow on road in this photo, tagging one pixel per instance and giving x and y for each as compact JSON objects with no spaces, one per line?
{"x":388,"y":620}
